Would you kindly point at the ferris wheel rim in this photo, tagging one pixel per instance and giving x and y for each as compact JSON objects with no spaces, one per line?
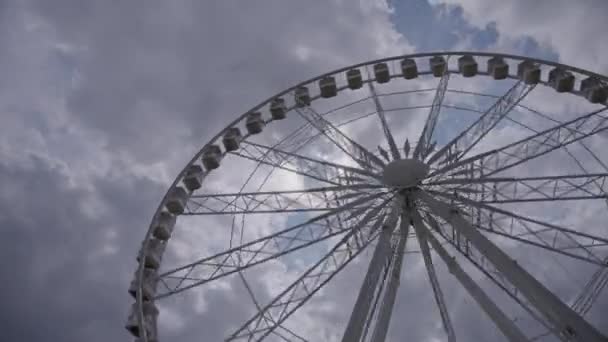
{"x":140,"y":269}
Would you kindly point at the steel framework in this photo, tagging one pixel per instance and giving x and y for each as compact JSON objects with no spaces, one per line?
{"x":456,"y":195}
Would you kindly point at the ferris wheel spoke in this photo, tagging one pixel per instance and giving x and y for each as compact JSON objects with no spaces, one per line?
{"x":306,"y":163}
{"x":536,"y":145}
{"x":529,"y":189}
{"x":385,"y":128}
{"x":425,"y":144}
{"x":568,"y":322}
{"x":367,"y":160}
{"x":500,"y":319}
{"x":465,"y":141}
{"x":277,"y":202}
{"x":535,"y":232}
{"x":252,"y":253}
{"x":421,"y":233}
{"x":309,"y":283}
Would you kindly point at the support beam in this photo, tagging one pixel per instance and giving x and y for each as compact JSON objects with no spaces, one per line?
{"x":426,"y":139}
{"x":563,"y":317}
{"x":385,"y":128}
{"x":356,"y":323}
{"x":502,"y":321}
{"x":386,"y":310}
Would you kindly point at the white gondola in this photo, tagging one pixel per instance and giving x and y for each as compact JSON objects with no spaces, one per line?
{"x":561,"y":80}
{"x":163,"y":226}
{"x":467,"y":66}
{"x":382,"y":73}
{"x":154,"y":254}
{"x":327,"y":86}
{"x":254,"y":123}
{"x":232,"y":139}
{"x":302,"y":97}
{"x":409,"y":68}
{"x":354,"y":78}
{"x":498,"y":68}
{"x":438,"y":66}
{"x":193,"y":179}
{"x":211,"y":157}
{"x":278,"y":110}
{"x":150,"y":312}
{"x":149,"y":283}
{"x":529,"y":72}
{"x":177,"y":200}
{"x":594,"y":90}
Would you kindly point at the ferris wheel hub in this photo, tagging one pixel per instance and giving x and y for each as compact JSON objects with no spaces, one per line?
{"x":404,"y":173}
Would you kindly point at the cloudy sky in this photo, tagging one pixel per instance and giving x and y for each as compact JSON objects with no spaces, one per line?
{"x":102,"y":103}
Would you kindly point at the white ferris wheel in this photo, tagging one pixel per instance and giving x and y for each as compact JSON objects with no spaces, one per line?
{"x":387,"y":160}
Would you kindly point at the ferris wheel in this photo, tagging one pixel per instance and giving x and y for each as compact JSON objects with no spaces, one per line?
{"x":387,"y":160}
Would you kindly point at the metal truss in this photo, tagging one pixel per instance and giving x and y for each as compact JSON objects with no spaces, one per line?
{"x":385,"y":128}
{"x":278,"y":202}
{"x":367,"y":160}
{"x":320,"y":228}
{"x":319,"y":170}
{"x":424,"y":146}
{"x":537,"y":145}
{"x":465,"y":141}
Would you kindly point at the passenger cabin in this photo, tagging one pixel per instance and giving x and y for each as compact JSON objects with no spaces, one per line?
{"x":212,"y":157}
{"x":498,"y":68}
{"x":163,"y":226}
{"x":302,"y":97}
{"x":278,"y":110}
{"x":193,"y":179}
{"x":382,"y":73}
{"x":529,"y":72}
{"x":327,"y":86}
{"x":254,"y":123}
{"x":438,"y":66}
{"x":354,"y":79}
{"x":561,"y":80}
{"x":149,"y":312}
{"x":594,"y":90}
{"x":150,"y":280}
{"x":467,"y":66}
{"x":176,"y":200}
{"x":232,"y":139}
{"x":409,"y":69}
{"x":154,"y":254}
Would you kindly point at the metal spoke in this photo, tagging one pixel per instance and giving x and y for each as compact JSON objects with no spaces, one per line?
{"x":314,"y":230}
{"x":564,"y":318}
{"x":529,"y":189}
{"x":465,"y":141}
{"x":536,"y":145}
{"x":385,"y":128}
{"x":423,"y":148}
{"x":358,"y":153}
{"x":549,"y":236}
{"x":421,"y":233}
{"x":502,"y":321}
{"x":309,"y":283}
{"x":277,"y":202}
